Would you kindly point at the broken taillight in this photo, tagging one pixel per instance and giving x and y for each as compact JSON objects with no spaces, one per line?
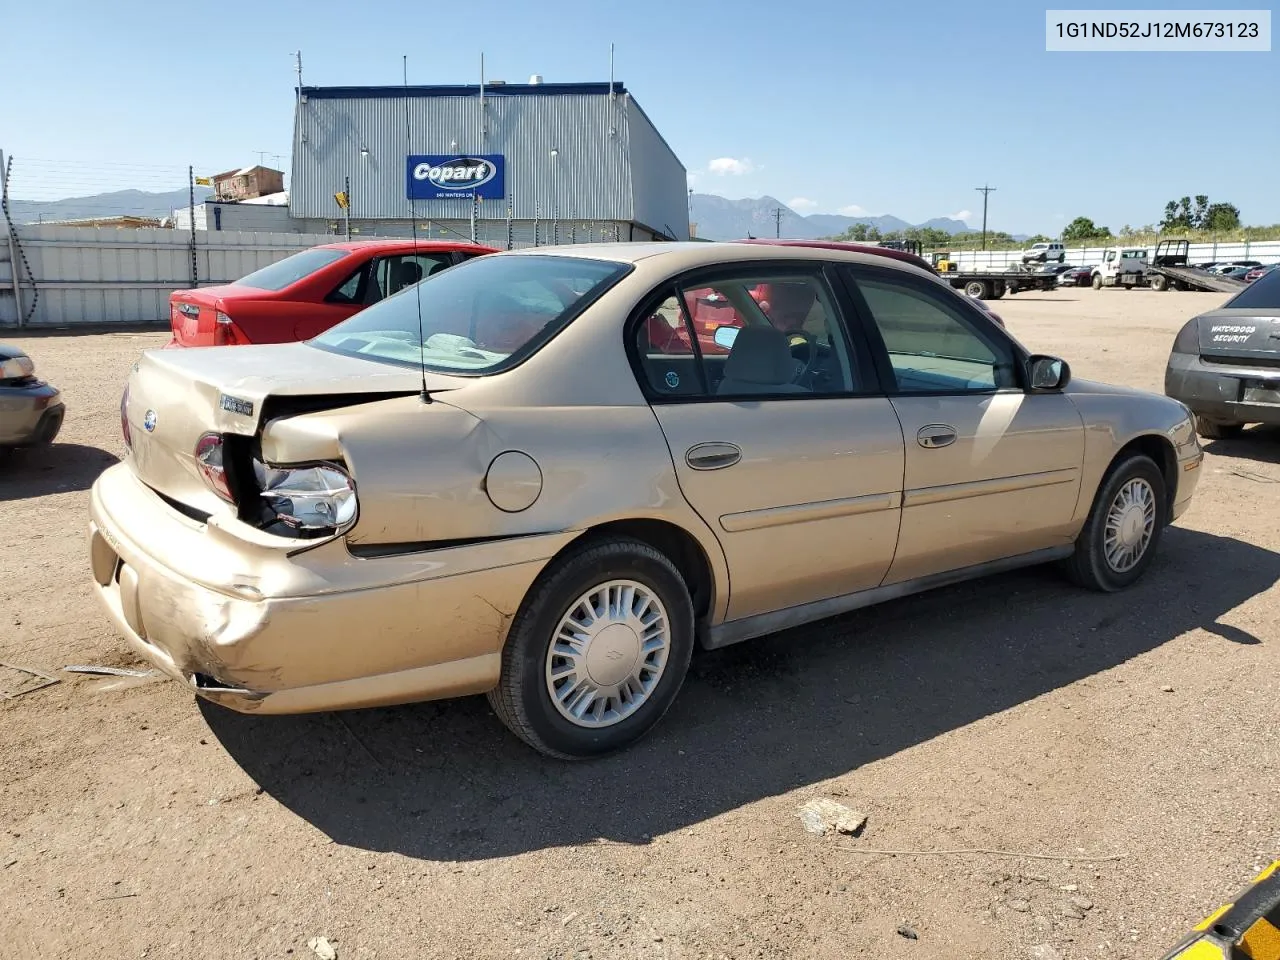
{"x":224,"y":330}
{"x":209,"y":461}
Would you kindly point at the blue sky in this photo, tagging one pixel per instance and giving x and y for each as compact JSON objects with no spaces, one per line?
{"x":839,"y":106}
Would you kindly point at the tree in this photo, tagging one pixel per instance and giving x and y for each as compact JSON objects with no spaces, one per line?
{"x":1082,"y":229}
{"x":1220,"y":218}
{"x":860,"y":233}
{"x":1182,"y":216}
{"x":1038,"y":238}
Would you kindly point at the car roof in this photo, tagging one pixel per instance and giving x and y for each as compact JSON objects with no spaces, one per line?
{"x":892,"y":254}
{"x":404,"y":243}
{"x":687,"y":255}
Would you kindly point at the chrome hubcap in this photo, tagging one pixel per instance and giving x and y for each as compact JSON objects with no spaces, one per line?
{"x":1130,"y":523}
{"x":608,"y":653}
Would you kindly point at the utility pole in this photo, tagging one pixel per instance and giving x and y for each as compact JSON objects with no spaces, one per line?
{"x":984,"y":190}
{"x":191,"y":212}
{"x":777,"y":223}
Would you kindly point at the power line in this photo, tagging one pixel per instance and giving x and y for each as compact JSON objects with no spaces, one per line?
{"x":984,"y":190}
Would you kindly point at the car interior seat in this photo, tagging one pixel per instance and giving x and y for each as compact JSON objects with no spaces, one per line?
{"x":760,"y":361}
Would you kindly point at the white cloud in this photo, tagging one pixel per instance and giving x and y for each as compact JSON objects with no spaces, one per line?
{"x":724,"y":166}
{"x":961,"y":215}
{"x":802,"y":204}
{"x":853,"y":210}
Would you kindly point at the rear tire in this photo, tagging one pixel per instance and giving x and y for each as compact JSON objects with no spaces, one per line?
{"x":1159,"y":283}
{"x":977,"y":289}
{"x":607,"y":587}
{"x":1218,"y":429}
{"x":1120,"y":537}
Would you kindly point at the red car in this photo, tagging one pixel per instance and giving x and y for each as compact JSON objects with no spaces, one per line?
{"x":303,"y":295}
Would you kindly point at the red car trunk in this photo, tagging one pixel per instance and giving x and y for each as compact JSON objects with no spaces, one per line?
{"x":305,"y":294}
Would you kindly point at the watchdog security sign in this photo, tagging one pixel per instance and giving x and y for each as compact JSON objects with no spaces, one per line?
{"x":435,"y":176}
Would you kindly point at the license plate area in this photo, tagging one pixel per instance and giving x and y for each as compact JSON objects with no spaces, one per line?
{"x":1260,"y":391}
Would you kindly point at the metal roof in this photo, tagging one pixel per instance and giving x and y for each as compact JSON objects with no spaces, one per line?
{"x":461,"y":90}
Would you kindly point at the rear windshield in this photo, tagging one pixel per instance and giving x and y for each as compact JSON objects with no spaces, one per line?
{"x":290,"y":270}
{"x":1262,"y":294}
{"x":483,"y":316}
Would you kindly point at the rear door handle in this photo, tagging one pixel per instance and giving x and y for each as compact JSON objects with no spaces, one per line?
{"x":934,"y":435}
{"x":712,"y":456}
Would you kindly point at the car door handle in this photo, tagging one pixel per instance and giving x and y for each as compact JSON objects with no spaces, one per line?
{"x":712,"y":456}
{"x":936,"y":435}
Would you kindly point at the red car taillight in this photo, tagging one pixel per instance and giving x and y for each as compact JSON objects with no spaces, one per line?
{"x":224,"y":331}
{"x":124,"y":420}
{"x":209,"y":462}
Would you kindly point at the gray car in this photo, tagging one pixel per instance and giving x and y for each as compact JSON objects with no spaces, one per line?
{"x":31,"y":410}
{"x":1225,"y":364}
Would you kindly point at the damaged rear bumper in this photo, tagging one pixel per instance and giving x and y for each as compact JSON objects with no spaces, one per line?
{"x":266,"y":631}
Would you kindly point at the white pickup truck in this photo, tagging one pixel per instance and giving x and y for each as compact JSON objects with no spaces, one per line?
{"x":1121,"y":267}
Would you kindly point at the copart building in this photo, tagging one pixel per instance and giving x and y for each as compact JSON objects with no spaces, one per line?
{"x":505,"y":164}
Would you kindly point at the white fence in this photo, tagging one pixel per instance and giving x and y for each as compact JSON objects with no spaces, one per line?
{"x":1266,"y":251}
{"x":89,"y":276}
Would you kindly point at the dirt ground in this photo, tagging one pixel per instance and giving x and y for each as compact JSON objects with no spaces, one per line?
{"x":1133,"y":736}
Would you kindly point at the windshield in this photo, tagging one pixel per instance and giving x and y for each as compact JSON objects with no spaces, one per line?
{"x":290,"y":270}
{"x":481,"y":317}
{"x":1262,"y":294}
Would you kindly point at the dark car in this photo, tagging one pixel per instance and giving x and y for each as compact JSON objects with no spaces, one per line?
{"x":1075,"y":275}
{"x":31,"y":410}
{"x":1225,"y":364}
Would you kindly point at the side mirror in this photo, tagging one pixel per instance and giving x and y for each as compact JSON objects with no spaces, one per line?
{"x":1048,"y":373}
{"x":724,"y":337}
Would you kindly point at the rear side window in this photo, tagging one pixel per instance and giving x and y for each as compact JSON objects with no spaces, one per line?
{"x":1262,"y":294}
{"x":290,"y":270}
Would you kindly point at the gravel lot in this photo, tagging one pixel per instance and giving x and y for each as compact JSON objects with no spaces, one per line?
{"x":1133,"y":735}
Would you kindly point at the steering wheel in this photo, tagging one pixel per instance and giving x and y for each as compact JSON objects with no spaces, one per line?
{"x":794,"y":339}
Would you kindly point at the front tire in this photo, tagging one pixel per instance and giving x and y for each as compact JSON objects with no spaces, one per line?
{"x":1097,"y":282}
{"x":1124,"y":527}
{"x":597,"y":651}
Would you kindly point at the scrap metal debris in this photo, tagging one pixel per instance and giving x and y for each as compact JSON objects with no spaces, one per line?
{"x":822,"y":815}
{"x":108,"y":671}
{"x":12,"y":687}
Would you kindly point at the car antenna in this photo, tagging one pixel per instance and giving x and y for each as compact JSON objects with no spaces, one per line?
{"x":413,"y":230}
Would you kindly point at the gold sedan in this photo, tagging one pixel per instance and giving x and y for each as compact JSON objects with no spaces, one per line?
{"x":547,"y":475}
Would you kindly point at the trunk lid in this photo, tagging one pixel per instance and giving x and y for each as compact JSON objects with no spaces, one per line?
{"x":176,"y":396}
{"x":192,"y":313}
{"x":1244,"y":335}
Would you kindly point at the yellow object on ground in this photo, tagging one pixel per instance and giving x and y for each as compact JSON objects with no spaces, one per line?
{"x":1248,"y":928}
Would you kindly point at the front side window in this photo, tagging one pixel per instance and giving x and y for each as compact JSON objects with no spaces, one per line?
{"x":746,"y":335}
{"x":286,"y":272}
{"x":934,"y":346}
{"x":482,"y":316}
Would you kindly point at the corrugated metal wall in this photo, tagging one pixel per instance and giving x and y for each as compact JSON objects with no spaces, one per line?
{"x":590,"y":178}
{"x":658,"y":178}
{"x":89,"y":275}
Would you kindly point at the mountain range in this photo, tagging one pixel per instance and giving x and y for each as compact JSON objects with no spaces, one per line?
{"x":720,"y":219}
{"x":132,"y":203}
{"x":717,"y":218}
